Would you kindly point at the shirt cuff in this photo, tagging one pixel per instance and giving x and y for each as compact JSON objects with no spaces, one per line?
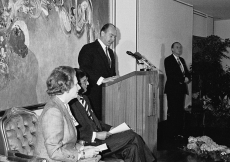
{"x":93,"y":137}
{"x":99,"y":82}
{"x":80,"y":154}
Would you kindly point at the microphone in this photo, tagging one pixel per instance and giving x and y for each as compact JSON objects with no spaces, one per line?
{"x":142,"y":59}
{"x":136,"y":55}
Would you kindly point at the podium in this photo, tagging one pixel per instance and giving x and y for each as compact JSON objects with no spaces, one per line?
{"x":132,"y":98}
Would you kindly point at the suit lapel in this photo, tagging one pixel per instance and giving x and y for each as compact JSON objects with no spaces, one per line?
{"x":183,"y":63}
{"x":63,"y":110}
{"x":102,"y":55}
{"x":176,"y":63}
{"x":97,"y":123}
{"x":92,"y":113}
{"x":85,"y":116}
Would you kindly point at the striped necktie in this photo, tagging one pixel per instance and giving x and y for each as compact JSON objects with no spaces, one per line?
{"x":181,"y":66}
{"x":107,"y":54}
{"x":85,"y":105}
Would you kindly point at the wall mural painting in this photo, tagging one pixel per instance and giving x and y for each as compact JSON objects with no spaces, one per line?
{"x":4,"y":69}
{"x":14,"y":35}
{"x":80,"y":18}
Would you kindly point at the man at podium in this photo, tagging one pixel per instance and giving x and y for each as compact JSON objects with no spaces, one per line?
{"x":98,"y":61}
{"x":126,"y":145}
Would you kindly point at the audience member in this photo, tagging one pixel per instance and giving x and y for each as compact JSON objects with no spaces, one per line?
{"x":56,"y":132}
{"x":127,"y":145}
{"x":176,"y":89}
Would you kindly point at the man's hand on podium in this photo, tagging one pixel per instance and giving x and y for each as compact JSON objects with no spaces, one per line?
{"x":110,"y":79}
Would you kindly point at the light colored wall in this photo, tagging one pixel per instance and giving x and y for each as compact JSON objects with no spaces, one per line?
{"x":203,"y":25}
{"x":125,"y":20}
{"x":141,"y":27}
{"x":210,"y":26}
{"x":150,"y":27}
{"x":221,"y":29}
{"x":162,"y":22}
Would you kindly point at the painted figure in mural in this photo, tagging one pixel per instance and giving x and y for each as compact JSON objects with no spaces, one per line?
{"x":17,"y":41}
{"x":83,"y":19}
{"x":56,"y":132}
{"x":98,"y":61}
{"x":14,"y":9}
{"x":126,"y":145}
{"x":3,"y":56}
{"x":4,"y":68}
{"x":176,"y":89}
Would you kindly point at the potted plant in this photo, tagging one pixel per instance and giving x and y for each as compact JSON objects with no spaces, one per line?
{"x":210,"y":78}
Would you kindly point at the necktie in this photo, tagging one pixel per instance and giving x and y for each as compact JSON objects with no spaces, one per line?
{"x":85,"y":105}
{"x":181,"y":66}
{"x":89,"y":113}
{"x":107,"y":54}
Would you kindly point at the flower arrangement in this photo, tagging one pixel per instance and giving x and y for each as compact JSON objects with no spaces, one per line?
{"x":215,"y":115}
{"x":204,"y":146}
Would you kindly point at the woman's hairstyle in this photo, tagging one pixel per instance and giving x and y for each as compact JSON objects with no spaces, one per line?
{"x":80,"y":74}
{"x":60,"y":80}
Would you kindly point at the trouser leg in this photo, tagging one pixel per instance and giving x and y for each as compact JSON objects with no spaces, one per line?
{"x":175,"y":115}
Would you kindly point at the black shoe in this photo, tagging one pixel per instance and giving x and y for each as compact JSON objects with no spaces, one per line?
{"x":180,"y":141}
{"x":178,"y":137}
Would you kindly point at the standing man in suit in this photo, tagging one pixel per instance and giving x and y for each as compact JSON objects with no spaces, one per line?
{"x":98,"y":61}
{"x":176,"y":89}
{"x":127,"y":145}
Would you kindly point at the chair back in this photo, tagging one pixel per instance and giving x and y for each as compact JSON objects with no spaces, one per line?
{"x":18,"y":131}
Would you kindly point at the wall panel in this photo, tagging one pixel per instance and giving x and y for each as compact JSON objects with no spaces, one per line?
{"x":160,"y":23}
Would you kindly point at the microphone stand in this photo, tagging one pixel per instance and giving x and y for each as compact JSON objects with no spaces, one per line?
{"x":149,"y":66}
{"x":142,"y":60}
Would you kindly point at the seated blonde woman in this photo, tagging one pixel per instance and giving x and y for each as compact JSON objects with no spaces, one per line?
{"x":56,"y":132}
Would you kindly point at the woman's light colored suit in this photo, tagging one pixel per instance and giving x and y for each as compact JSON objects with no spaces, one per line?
{"x":56,"y":134}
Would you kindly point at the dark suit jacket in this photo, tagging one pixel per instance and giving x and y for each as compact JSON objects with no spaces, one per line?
{"x":86,"y":125}
{"x":126,"y":145}
{"x":175,"y":77}
{"x":93,"y":60}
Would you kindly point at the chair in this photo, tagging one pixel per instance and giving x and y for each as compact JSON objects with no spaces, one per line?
{"x":18,"y":135}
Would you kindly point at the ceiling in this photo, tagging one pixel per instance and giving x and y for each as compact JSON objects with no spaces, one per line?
{"x":219,"y":9}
